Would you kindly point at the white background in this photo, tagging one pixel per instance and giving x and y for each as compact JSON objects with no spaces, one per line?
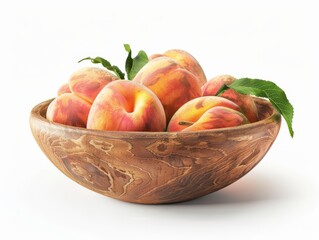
{"x":40,"y":45}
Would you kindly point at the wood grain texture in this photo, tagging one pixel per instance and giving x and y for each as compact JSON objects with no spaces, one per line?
{"x":153,"y":168}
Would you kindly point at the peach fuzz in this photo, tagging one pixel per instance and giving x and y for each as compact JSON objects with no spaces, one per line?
{"x":245,"y":102}
{"x":172,"y":84}
{"x":88,"y":82}
{"x":185,"y":60}
{"x":192,"y":111}
{"x":69,"y":109}
{"x":127,"y":106}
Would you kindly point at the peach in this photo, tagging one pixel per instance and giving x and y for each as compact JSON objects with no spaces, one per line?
{"x":207,"y":112}
{"x":185,"y":60}
{"x":127,"y":106}
{"x":171,"y":83}
{"x":87,"y":82}
{"x":245,"y":102}
{"x":64,"y":89}
{"x":75,"y":98}
{"x":69,"y":109}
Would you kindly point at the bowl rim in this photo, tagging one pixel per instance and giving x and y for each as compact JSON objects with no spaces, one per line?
{"x":41,"y":108}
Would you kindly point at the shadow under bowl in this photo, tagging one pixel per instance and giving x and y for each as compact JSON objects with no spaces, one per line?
{"x":156,"y":167}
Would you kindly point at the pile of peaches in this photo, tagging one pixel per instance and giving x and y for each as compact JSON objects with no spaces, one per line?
{"x":169,"y":93}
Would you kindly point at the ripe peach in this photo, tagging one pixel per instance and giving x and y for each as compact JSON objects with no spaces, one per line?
{"x":126,"y":106}
{"x":75,"y":98}
{"x":185,"y":60}
{"x":69,"y":109}
{"x":206,"y":113}
{"x":172,"y":84}
{"x":245,"y":102}
{"x":64,"y":89}
{"x":87,"y":82}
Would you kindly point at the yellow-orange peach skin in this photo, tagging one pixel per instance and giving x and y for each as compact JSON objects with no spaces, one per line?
{"x":127,"y":106}
{"x":245,"y":102}
{"x":218,"y":117}
{"x":172,"y":84}
{"x":88,"y":82}
{"x":194,"y":111}
{"x":69,"y":109}
{"x":185,"y":60}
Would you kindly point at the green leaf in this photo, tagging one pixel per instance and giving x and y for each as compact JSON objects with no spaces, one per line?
{"x":265,"y":89}
{"x":133,"y":65}
{"x":129,"y":60}
{"x":222,"y":89}
{"x":107,"y":65}
{"x":127,"y":47}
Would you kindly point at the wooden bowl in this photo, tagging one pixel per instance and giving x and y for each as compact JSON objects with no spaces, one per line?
{"x":155,"y":167}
